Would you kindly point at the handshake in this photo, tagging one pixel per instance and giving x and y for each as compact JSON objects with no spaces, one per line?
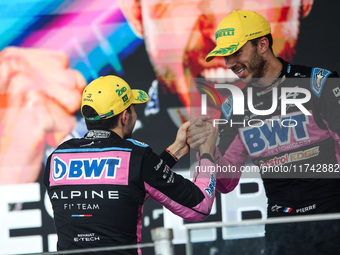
{"x":198,"y":134}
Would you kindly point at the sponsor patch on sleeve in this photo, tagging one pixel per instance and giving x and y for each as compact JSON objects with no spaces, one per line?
{"x":211,"y":187}
{"x":138,"y":143}
{"x":318,"y":79}
{"x":227,"y":107}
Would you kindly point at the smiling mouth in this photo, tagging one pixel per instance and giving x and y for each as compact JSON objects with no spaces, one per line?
{"x":239,"y":71}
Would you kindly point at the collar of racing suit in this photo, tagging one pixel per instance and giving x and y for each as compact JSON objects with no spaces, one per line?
{"x":285,"y":71}
{"x":100,"y":134}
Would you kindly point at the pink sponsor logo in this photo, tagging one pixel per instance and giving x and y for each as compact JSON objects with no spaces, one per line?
{"x":109,"y":167}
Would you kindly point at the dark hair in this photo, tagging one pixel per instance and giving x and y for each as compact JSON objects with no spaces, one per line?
{"x":255,"y":41}
{"x":109,"y":123}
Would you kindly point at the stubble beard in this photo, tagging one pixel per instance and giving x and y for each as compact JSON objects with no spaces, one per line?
{"x":258,"y":65}
{"x":130,"y":128}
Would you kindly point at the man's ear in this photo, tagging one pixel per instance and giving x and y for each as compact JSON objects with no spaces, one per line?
{"x":133,"y":13}
{"x":263,"y":45}
{"x":306,"y":7}
{"x":124,"y":117}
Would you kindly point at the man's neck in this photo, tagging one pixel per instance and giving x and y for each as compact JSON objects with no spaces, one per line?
{"x":118,"y":131}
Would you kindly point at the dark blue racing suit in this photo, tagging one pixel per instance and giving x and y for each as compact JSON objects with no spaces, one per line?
{"x":98,"y":184}
{"x":302,"y":149}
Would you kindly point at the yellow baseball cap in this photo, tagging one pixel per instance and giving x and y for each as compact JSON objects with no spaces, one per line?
{"x":109,"y":96}
{"x":235,"y":30}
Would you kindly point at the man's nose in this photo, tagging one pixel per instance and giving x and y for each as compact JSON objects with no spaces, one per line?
{"x":229,"y":61}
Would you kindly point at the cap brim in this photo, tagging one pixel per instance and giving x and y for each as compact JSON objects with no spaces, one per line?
{"x":223,"y":50}
{"x":139,"y":96}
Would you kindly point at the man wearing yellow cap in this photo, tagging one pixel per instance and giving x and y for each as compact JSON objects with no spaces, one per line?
{"x":288,"y":125}
{"x":98,"y":184}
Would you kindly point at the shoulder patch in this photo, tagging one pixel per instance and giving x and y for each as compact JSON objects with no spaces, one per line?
{"x":227,"y":107}
{"x":317,"y":80}
{"x":138,"y":143}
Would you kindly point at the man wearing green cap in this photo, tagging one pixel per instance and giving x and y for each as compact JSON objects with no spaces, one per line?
{"x":295,"y":144}
{"x":97,"y":184}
